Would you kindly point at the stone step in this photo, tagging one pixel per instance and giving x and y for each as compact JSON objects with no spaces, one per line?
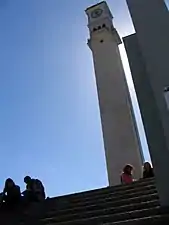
{"x":115,"y":199}
{"x":150,"y":220}
{"x":37,"y":210}
{"x":62,"y":206}
{"x":145,"y":220}
{"x":124,"y":203}
{"x":128,"y":192}
{"x":97,"y":208}
{"x":102,"y":191}
{"x":86,"y":213}
{"x":107,"y":217}
{"x":120,"y":206}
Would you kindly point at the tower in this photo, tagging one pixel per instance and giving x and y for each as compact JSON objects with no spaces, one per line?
{"x":120,"y":140}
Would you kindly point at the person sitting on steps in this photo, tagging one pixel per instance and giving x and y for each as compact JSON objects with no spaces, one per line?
{"x":147,"y":170}
{"x":11,"y":195}
{"x":35,"y":191}
{"x":126,"y":176}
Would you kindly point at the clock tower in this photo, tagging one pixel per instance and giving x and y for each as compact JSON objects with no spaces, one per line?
{"x":120,"y":139}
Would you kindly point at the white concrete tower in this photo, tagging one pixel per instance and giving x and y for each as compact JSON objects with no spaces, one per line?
{"x":120,"y":140}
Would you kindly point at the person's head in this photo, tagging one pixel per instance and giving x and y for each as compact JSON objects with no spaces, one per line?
{"x":147,"y":166}
{"x":128,"y":169}
{"x":9,"y":183}
{"x":27,"y":179}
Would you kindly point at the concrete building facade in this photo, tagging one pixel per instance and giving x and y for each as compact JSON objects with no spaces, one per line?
{"x":120,"y":139}
{"x":148,"y":54}
{"x":146,"y":100}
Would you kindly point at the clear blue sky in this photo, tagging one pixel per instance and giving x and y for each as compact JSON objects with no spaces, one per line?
{"x":49,"y":118}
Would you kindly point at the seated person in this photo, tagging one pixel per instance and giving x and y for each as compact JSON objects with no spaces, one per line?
{"x":126,"y":176}
{"x":147,"y":170}
{"x":34,"y":190}
{"x":11,"y":194}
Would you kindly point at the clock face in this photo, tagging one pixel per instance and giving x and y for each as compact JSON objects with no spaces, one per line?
{"x":96,"y":13}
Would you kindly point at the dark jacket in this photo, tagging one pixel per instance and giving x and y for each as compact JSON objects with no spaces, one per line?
{"x":148,"y":174}
{"x":12,"y":193}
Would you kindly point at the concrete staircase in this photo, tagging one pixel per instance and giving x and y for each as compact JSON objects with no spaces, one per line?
{"x":134,"y":204}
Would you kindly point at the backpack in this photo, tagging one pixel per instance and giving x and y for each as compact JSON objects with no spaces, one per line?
{"x":38,"y":189}
{"x":37,"y":186}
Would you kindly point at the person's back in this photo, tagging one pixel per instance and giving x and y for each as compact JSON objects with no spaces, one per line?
{"x":13,"y":191}
{"x":38,"y":188}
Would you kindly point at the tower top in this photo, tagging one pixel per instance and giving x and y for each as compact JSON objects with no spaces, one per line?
{"x":93,"y":6}
{"x":97,"y":11}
